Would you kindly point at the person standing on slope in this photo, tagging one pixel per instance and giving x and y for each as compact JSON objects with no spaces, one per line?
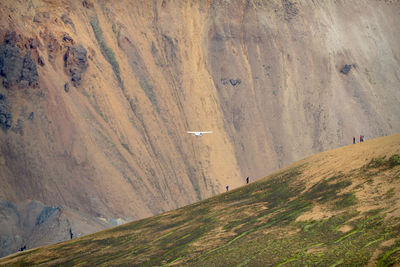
{"x":247,"y":180}
{"x":227,"y":188}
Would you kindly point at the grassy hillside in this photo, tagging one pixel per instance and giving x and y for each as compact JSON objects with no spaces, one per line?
{"x":340,"y":207}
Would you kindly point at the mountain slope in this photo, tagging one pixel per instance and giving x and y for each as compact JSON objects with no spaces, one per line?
{"x":96,"y":98}
{"x":337,"y":207}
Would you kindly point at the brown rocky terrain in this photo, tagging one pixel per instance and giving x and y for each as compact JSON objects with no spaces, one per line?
{"x":96,"y":98}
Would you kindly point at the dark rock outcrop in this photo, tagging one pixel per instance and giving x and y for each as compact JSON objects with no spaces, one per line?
{"x":19,"y":127}
{"x":11,"y":64}
{"x":41,"y":16}
{"x":66,"y":87}
{"x":5,"y":115}
{"x":26,"y":224}
{"x":67,"y":20}
{"x":68,"y":38}
{"x":88,"y":4}
{"x":75,"y":63}
{"x":290,"y":9}
{"x":235,"y":82}
{"x":41,"y":61}
{"x":33,"y":43}
{"x":12,"y":38}
{"x":29,"y":71}
{"x":346,"y":69}
{"x":53,"y":47}
{"x":14,"y":68}
{"x":31,"y":116}
{"x":46,"y":213}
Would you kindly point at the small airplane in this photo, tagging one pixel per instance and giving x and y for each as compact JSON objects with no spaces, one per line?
{"x":199,"y":133}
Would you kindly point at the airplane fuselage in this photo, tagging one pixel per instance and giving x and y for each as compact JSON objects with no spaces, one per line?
{"x":199,"y":133}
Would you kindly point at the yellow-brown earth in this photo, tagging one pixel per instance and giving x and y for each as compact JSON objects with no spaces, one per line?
{"x":264,"y":76}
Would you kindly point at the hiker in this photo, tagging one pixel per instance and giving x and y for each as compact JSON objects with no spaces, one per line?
{"x":354,"y":140}
{"x":70,"y":233}
{"x":227,"y":188}
{"x":361,"y":138}
{"x":247,"y":180}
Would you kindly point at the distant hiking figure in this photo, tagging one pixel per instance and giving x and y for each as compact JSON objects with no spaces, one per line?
{"x":361,"y":138}
{"x":70,"y":233}
{"x":247,"y":180}
{"x":354,"y":140}
{"x":227,"y":188}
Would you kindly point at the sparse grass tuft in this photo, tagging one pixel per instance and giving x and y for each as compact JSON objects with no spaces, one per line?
{"x":325,"y":190}
{"x":390,"y":193}
{"x":391,"y":256}
{"x":117,"y":31}
{"x":376,"y":162}
{"x":126,"y":146}
{"x":373,"y":212}
{"x":148,"y":89}
{"x":394,"y":160}
{"x":346,"y":200}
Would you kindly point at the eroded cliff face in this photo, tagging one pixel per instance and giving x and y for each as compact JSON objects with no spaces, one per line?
{"x":97,"y":96}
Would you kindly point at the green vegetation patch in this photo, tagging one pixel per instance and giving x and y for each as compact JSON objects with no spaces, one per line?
{"x":117,"y":31}
{"x":289,"y":214}
{"x":373,"y":212}
{"x":126,"y":146}
{"x":273,"y":191}
{"x":376,"y":162}
{"x":325,"y":191}
{"x":346,"y":200}
{"x":284,"y":244}
{"x":380,"y":162}
{"x":106,"y":50}
{"x":390,"y":193}
{"x":394,"y":160}
{"x":391,"y":256}
{"x":148,"y":89}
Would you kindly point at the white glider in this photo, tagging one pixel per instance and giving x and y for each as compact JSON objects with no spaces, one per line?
{"x":199,"y":133}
